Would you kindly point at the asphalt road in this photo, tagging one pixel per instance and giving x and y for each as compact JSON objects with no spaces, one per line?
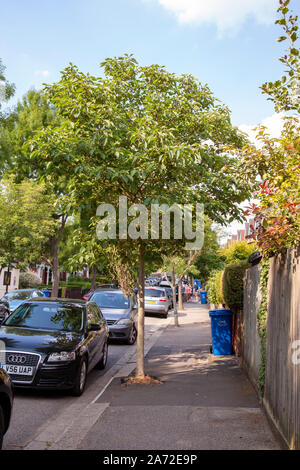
{"x":33,"y":408}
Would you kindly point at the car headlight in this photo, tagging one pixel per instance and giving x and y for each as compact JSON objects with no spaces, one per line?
{"x":62,"y":356}
{"x":124,"y":321}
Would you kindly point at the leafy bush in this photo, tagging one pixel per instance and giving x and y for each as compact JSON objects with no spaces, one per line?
{"x":29,"y":280}
{"x":233,"y":285}
{"x":238,"y":251}
{"x":214,"y":288}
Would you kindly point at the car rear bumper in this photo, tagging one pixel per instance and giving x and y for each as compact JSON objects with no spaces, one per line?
{"x":156,"y":308}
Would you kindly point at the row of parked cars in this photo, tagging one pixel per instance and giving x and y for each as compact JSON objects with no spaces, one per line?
{"x":53,"y":343}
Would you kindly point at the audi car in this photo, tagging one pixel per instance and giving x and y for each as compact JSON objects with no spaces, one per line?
{"x":53,"y":343}
{"x":6,"y":402}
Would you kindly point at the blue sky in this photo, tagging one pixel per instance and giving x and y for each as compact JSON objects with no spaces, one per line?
{"x":228,"y":44}
{"x":233,"y":50}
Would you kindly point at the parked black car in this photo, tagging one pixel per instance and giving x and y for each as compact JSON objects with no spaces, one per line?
{"x":120,"y":313}
{"x":54,"y":343}
{"x":6,"y":403}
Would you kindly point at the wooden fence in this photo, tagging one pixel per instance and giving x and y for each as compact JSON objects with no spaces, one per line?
{"x":282,"y":381}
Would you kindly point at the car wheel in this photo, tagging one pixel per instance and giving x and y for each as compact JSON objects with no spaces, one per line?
{"x":80,"y":381}
{"x":102,"y":363}
{"x":132,"y":335}
{"x":2,"y":426}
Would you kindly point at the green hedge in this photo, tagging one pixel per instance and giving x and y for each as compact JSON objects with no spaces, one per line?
{"x":233,"y":285}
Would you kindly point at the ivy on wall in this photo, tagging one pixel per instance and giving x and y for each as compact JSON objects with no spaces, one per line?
{"x":261,"y":316}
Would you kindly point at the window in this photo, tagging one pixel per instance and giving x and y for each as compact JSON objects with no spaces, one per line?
{"x":93,"y":316}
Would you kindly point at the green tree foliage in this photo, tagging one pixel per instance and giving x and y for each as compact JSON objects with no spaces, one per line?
{"x":143,"y":133}
{"x":274,"y":167}
{"x":285,"y":92}
{"x":238,"y":251}
{"x":31,"y":113}
{"x":25,"y":222}
{"x":35,"y":112}
{"x":211,"y":258}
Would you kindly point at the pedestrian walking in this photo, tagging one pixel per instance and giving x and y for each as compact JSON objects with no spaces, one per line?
{"x":188,"y":292}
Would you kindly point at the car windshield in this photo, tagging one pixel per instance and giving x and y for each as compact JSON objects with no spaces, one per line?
{"x":48,"y":316}
{"x":154,"y":293}
{"x":20,"y":295}
{"x":110,"y":300}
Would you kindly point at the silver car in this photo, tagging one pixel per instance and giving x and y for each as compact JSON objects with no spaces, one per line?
{"x":157,"y":300}
{"x":120,"y":313}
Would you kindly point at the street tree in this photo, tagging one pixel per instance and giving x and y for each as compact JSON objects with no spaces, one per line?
{"x":148,"y":135}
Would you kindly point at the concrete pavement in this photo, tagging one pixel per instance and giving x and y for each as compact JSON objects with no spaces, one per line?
{"x":204,"y":402}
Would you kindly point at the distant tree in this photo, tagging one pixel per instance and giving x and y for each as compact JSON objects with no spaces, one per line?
{"x":25,"y":222}
{"x":32,"y":113}
{"x":210,"y":258}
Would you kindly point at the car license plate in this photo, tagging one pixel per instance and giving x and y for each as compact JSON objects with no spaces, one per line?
{"x":151,"y":302}
{"x":18,"y":370}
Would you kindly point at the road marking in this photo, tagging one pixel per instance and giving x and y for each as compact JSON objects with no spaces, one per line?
{"x":103,"y":390}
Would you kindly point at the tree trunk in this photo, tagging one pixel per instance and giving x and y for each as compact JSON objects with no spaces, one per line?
{"x":180,"y":300}
{"x":140,"y":362}
{"x":94,"y":274}
{"x":54,"y":253}
{"x":174,"y":297}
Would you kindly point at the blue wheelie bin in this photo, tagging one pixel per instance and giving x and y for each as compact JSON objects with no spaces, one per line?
{"x":47,"y":292}
{"x":221,"y":321}
{"x":203,"y":295}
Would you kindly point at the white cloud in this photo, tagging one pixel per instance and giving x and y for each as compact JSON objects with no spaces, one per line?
{"x":227,"y":15}
{"x":274,"y":125}
{"x":42,"y":73}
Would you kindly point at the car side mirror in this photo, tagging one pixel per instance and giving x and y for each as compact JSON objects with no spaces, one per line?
{"x":94,"y":327}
